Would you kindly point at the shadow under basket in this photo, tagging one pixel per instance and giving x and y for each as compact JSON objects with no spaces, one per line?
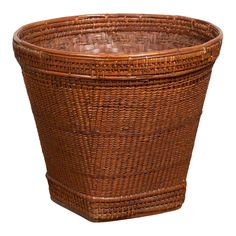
{"x":117,"y":101}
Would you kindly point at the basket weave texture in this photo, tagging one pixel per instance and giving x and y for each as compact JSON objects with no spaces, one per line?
{"x":117,"y":101}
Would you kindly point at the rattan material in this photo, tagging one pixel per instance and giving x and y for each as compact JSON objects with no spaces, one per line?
{"x":117,"y":101}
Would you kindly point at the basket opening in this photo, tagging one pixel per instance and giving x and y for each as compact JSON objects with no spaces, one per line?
{"x":119,"y":34}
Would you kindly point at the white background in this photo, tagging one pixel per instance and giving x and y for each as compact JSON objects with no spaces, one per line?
{"x":210,"y":205}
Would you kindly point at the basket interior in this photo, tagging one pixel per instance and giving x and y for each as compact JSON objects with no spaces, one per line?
{"x":119,"y":34}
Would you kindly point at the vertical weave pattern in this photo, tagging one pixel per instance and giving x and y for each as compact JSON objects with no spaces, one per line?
{"x":117,"y":124}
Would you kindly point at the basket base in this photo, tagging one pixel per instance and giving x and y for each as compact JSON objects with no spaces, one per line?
{"x":99,"y":209}
{"x":114,"y":219}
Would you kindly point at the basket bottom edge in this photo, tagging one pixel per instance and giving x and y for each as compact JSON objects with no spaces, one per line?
{"x":102,"y":211}
{"x":97,"y":220}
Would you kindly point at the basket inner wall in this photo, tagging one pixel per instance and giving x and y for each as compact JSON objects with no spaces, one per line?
{"x":120,"y":34}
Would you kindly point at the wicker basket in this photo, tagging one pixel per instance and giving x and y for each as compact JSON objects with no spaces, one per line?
{"x":117,"y":101}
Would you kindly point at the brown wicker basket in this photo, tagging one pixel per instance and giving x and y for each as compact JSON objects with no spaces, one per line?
{"x":117,"y":101}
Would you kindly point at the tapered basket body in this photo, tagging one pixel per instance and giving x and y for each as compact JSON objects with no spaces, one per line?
{"x":117,"y":101}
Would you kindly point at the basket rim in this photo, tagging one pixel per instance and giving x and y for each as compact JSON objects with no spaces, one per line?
{"x":102,"y":56}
